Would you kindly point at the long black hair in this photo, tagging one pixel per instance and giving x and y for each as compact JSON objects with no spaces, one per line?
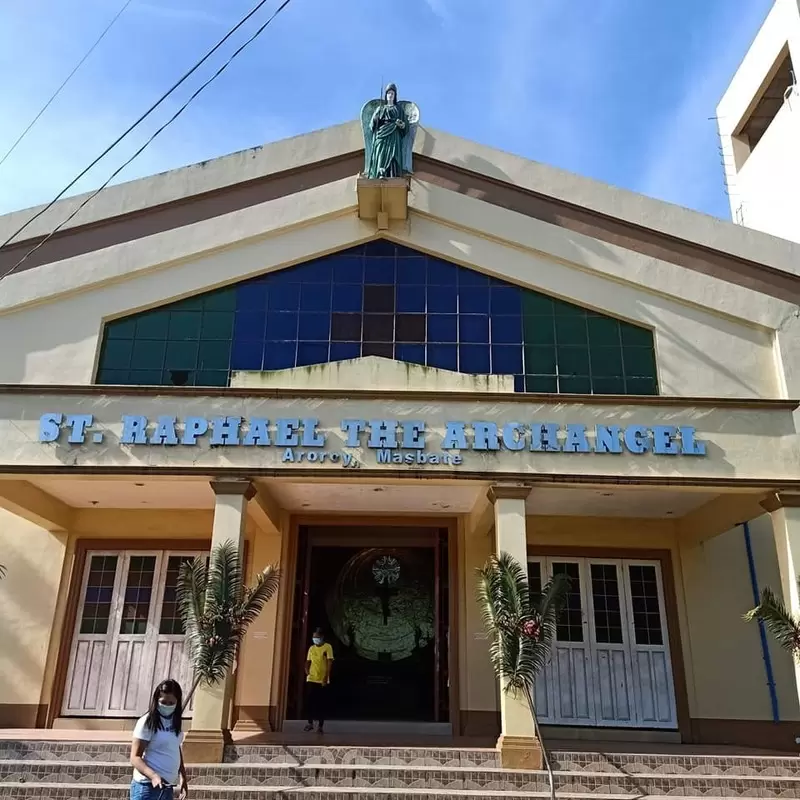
{"x":155,"y":722}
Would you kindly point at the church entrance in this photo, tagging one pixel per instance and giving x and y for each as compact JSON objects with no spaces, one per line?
{"x":381,"y":596}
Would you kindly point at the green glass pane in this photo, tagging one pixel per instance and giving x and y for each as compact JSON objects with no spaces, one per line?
{"x":538,"y":330}
{"x":148,"y":354}
{"x":184,"y":325}
{"x":117,"y":354}
{"x":635,"y":336}
{"x":571,"y":330}
{"x":121,"y":329}
{"x":573,"y":360}
{"x":113,"y":377}
{"x":194,"y":303}
{"x":562,"y":309}
{"x":214,"y":356}
{"x":575,"y":385}
{"x":640,"y":362}
{"x":641,"y":386}
{"x":178,"y":377}
{"x":541,"y":383}
{"x":221,"y":300}
{"x":212,"y":378}
{"x":606,"y":362}
{"x":536,"y":304}
{"x":181,"y":355}
{"x":152,"y":325}
{"x":603,"y":331}
{"x":608,"y":385}
{"x":540,"y":360}
{"x":218,"y":325}
{"x":145,"y":377}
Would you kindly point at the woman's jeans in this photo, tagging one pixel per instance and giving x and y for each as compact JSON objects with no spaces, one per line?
{"x":145,"y":791}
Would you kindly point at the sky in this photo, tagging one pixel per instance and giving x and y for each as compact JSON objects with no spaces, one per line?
{"x":623,"y":91}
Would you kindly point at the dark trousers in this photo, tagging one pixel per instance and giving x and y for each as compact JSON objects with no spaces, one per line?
{"x":316,"y":702}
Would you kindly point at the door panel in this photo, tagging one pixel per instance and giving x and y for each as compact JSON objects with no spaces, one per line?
{"x":610,"y":665}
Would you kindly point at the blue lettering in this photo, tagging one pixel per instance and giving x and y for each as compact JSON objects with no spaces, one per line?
{"x":636,"y":439}
{"x":50,"y":427}
{"x":664,"y":440}
{"x":413,"y":434}
{"x":606,"y":439}
{"x":455,"y":436}
{"x":485,"y":436}
{"x":384,"y":456}
{"x":311,"y":436}
{"x":690,"y":446}
{"x":257,"y":433}
{"x":226,"y":431}
{"x":544,"y":438}
{"x":165,"y":432}
{"x":514,"y":436}
{"x":77,"y":423}
{"x":383,"y":433}
{"x":286,"y":434}
{"x":353,"y":427}
{"x":576,"y":440}
{"x":192,"y":428}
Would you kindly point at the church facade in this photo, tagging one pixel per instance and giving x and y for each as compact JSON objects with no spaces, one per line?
{"x":376,"y":382}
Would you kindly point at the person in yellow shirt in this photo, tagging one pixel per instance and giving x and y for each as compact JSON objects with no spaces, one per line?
{"x":318,"y":675}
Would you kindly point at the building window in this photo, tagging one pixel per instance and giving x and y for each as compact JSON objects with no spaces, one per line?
{"x":386,"y":300}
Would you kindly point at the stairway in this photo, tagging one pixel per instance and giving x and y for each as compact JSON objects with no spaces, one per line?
{"x":96,"y":771}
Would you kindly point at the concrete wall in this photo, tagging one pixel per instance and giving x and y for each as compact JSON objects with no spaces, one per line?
{"x":728,"y":674}
{"x":763,"y":185}
{"x":34,"y":559}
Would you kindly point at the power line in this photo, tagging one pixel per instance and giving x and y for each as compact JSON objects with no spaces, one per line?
{"x":141,"y":119}
{"x":66,"y":81}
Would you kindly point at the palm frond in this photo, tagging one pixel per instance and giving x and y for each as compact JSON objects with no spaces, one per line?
{"x":256,"y":597}
{"x":780,"y":623}
{"x":191,"y":596}
{"x":225,"y":577}
{"x":2,"y":571}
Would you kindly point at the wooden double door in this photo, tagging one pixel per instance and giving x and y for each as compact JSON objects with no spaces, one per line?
{"x":610,"y":664}
{"x":128,"y":633}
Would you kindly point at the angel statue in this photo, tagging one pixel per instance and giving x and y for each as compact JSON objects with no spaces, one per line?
{"x":389,"y":129}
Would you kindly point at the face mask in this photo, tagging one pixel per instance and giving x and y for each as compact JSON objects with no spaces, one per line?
{"x":317,"y":640}
{"x":166,"y":711}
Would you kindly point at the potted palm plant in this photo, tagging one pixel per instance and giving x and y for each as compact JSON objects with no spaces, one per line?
{"x":217,"y":608}
{"x":521,"y":627}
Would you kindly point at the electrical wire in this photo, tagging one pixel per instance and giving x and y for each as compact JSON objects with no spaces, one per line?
{"x":66,"y":81}
{"x":141,"y":119}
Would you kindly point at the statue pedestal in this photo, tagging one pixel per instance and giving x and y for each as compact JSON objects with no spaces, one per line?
{"x":383,"y":200}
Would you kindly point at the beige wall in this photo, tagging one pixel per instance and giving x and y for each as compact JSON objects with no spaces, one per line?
{"x":727,"y":667}
{"x":34,"y":559}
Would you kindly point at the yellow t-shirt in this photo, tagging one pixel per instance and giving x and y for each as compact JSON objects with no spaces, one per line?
{"x":318,"y":655}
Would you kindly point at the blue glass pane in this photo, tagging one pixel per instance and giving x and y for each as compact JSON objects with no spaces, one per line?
{"x":249,"y":325}
{"x":315,"y":297}
{"x":442,"y":299}
{"x":314,"y":327}
{"x":284,"y":297}
{"x":251,"y":296}
{"x":279,"y":355}
{"x":316,"y":272}
{"x":474,"y":358}
{"x":506,"y":359}
{"x":379,"y":271}
{"x":506,"y":330}
{"x":468,"y":277}
{"x":348,"y":269}
{"x":282,"y":326}
{"x":342,"y":351}
{"x":412,"y":353}
{"x":380,"y":247}
{"x":473,"y":300}
{"x":247,"y":354}
{"x":442,"y":328}
{"x":440,"y":273}
{"x":473,"y":328}
{"x":443,"y":356}
{"x":311,"y":353}
{"x":347,"y":297}
{"x":505,"y":299}
{"x":411,"y":270}
{"x":410,"y":299}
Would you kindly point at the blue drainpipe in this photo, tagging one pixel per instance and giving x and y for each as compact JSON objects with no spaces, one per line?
{"x":773,"y":695}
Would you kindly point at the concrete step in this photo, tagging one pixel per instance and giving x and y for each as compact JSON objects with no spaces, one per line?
{"x":403,"y":778}
{"x":92,"y":791}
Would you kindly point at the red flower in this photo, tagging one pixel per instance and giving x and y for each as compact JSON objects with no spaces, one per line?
{"x":532,"y":629}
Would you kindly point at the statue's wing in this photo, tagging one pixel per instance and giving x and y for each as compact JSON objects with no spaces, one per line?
{"x":367,"y":111}
{"x":411,"y":113}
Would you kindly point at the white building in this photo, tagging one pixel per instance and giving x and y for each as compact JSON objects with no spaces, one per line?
{"x":759,"y":125}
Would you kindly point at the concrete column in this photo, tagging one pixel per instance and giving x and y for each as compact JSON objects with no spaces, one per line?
{"x":206,"y":740}
{"x":785,"y":513}
{"x":519,"y":748}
